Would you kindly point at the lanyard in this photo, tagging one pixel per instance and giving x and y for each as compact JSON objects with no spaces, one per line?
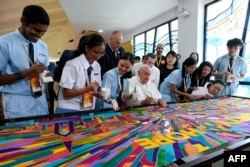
{"x":185,"y":84}
{"x":199,"y":81}
{"x":119,"y":82}
{"x":158,"y":60}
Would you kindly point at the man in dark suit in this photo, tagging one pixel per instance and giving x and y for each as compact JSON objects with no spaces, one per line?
{"x":113,"y":51}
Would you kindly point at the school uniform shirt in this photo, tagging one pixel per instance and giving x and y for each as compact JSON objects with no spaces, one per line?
{"x":155,"y":73}
{"x":176,"y":79}
{"x":74,"y":76}
{"x":18,"y":99}
{"x":239,"y":68}
{"x":112,"y":79}
{"x":200,"y":91}
{"x":136,"y":88}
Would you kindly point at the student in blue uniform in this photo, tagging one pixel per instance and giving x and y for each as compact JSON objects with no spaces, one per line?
{"x":177,"y":83}
{"x":231,"y":68}
{"x":116,"y":79}
{"x":23,"y":56}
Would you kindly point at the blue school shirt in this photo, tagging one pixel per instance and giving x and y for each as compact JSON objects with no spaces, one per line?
{"x":111,"y":78}
{"x":176,"y":79}
{"x":239,"y":68}
{"x":14,"y":58}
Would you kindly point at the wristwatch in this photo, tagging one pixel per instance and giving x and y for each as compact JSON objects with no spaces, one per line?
{"x":18,"y":76}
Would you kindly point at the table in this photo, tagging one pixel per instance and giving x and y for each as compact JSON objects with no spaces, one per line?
{"x":184,"y":134}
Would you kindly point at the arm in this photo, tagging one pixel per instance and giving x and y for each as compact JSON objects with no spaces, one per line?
{"x":69,"y":93}
{"x":186,"y":95}
{"x":12,"y":78}
{"x":216,"y":74}
{"x":217,"y":66}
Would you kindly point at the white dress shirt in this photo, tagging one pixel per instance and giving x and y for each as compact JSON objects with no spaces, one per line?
{"x":141,"y":91}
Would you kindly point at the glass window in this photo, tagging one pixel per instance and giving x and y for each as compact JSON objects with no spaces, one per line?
{"x":139,"y":45}
{"x":150,"y":37}
{"x":246,"y":51}
{"x":174,"y":35}
{"x":148,"y":40}
{"x":162,"y":36}
{"x":225,"y":20}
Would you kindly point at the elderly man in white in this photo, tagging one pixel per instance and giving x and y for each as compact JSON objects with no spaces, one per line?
{"x":155,"y":72}
{"x":141,"y":90}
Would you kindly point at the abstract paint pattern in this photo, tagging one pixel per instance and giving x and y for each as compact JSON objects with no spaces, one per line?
{"x":149,"y":136}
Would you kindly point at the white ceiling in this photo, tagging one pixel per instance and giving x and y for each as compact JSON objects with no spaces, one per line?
{"x":110,"y":15}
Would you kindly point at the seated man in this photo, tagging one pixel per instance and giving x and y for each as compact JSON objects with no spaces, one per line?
{"x":142,"y":91}
{"x":155,"y":72}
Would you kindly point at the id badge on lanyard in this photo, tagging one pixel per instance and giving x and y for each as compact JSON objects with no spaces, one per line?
{"x":87,"y":97}
{"x":228,"y":78}
{"x":35,"y":82}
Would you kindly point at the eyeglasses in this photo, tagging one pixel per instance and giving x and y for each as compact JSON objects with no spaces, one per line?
{"x":97,"y":52}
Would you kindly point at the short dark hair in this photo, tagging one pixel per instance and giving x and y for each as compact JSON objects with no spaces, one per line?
{"x":128,"y":56}
{"x":137,"y":58}
{"x":149,"y":55}
{"x":35,"y":14}
{"x":188,"y":62}
{"x":235,"y":42}
{"x":197,"y":55}
{"x":215,"y":82}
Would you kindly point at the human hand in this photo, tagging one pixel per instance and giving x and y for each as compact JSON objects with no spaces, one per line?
{"x":36,"y":69}
{"x":208,"y":96}
{"x":232,"y":77}
{"x":127,"y":96}
{"x":93,"y":86}
{"x":148,"y":100}
{"x":115,"y":105}
{"x":48,"y":74}
{"x":162,"y":102}
{"x":226,"y":73}
{"x":193,"y":97}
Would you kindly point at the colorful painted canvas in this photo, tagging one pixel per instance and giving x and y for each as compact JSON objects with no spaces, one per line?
{"x":149,"y":136}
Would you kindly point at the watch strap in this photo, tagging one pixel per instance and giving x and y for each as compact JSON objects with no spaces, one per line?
{"x":18,"y":76}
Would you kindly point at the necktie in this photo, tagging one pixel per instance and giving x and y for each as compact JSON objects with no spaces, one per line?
{"x":231,"y":61}
{"x":115,"y":53}
{"x":31,"y":52}
{"x":119,"y":98}
{"x":89,"y":70}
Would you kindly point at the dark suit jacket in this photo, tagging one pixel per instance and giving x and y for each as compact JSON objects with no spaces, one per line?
{"x":109,"y":60}
{"x":67,"y":54}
